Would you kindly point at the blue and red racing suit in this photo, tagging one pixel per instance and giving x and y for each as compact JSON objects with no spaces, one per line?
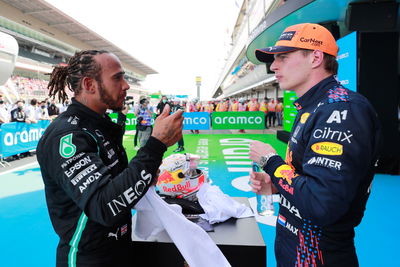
{"x":324,"y":182}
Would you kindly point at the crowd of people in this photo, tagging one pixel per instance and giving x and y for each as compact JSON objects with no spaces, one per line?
{"x":32,"y":112}
{"x":29,"y":87}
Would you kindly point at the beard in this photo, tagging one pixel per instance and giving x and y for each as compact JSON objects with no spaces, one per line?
{"x":107,"y":99}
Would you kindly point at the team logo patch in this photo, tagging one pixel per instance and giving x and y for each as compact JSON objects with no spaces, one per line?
{"x":327,"y":148}
{"x":286,"y":172}
{"x":287,"y":36}
{"x":67,"y":148}
{"x":304,"y":117}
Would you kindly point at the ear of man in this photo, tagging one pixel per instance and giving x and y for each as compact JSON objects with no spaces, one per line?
{"x":317,"y":58}
{"x":89,"y":85}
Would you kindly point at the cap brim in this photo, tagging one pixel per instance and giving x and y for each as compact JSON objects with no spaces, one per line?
{"x":267,"y":54}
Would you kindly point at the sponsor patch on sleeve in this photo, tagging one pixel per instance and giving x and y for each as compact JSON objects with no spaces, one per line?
{"x":327,"y":148}
{"x":67,"y":148}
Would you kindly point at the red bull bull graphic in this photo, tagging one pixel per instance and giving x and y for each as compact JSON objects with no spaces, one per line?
{"x":286,"y":172}
{"x":170,"y":177}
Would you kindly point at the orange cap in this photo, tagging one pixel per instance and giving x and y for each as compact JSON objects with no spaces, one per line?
{"x":300,"y":36}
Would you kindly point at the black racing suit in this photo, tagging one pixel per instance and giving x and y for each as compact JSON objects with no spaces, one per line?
{"x":324,"y":183}
{"x":90,"y":186}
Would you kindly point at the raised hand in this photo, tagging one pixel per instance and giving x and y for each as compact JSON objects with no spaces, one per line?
{"x":168,"y":128}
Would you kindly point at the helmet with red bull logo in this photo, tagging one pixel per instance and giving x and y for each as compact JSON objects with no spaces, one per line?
{"x":179,"y":176}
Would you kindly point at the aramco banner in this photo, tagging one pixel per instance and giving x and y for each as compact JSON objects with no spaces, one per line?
{"x":192,"y":121}
{"x":196,"y":121}
{"x":238,"y":120}
{"x":19,"y":137}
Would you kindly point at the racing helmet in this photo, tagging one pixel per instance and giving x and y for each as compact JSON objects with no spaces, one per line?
{"x":180,"y":178}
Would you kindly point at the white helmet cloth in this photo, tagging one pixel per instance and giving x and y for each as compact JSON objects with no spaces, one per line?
{"x":179,"y":176}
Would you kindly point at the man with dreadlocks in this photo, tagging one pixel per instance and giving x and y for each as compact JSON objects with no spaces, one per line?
{"x":90,"y":186}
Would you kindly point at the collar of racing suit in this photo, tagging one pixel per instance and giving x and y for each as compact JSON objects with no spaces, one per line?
{"x":315,"y":93}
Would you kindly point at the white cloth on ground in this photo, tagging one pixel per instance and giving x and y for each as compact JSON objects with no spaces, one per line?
{"x":197,"y":248}
{"x":220,"y":207}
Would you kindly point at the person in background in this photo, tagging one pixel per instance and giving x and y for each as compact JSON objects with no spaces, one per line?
{"x":5,"y":115}
{"x":264,"y":108}
{"x":90,"y":186}
{"x":18,"y":114}
{"x":325,"y":182}
{"x":247,"y":101}
{"x":31,"y":111}
{"x":242,"y":106}
{"x":234,"y":106}
{"x":176,"y":106}
{"x":271,"y":113}
{"x":224,"y":106}
{"x":161,"y":105}
{"x":208,"y":107}
{"x":279,"y":112}
{"x":41,"y":112}
{"x":193,"y":108}
{"x":254,"y":105}
{"x":144,"y":126}
{"x":63,"y":106}
{"x":53,"y":110}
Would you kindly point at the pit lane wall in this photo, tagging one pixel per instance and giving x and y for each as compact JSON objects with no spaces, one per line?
{"x":19,"y":137}
{"x":205,"y":121}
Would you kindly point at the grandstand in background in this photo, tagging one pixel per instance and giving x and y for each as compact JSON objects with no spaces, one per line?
{"x":47,"y":37}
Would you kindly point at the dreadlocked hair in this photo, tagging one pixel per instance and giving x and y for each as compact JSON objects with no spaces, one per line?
{"x":82,"y":64}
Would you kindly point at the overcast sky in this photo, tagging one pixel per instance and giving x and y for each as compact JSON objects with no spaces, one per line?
{"x":180,"y":39}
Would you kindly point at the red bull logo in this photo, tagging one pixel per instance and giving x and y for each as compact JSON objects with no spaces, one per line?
{"x":178,"y":188}
{"x":286,"y":187}
{"x":170,"y":177}
{"x":285,"y":172}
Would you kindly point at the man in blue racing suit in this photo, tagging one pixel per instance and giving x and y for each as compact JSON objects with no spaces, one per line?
{"x":90,"y":186}
{"x":324,"y":183}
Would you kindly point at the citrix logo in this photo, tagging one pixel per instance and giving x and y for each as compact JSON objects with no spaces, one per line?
{"x":328,"y":133}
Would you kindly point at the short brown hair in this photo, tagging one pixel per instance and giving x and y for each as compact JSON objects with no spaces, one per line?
{"x":330,"y":63}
